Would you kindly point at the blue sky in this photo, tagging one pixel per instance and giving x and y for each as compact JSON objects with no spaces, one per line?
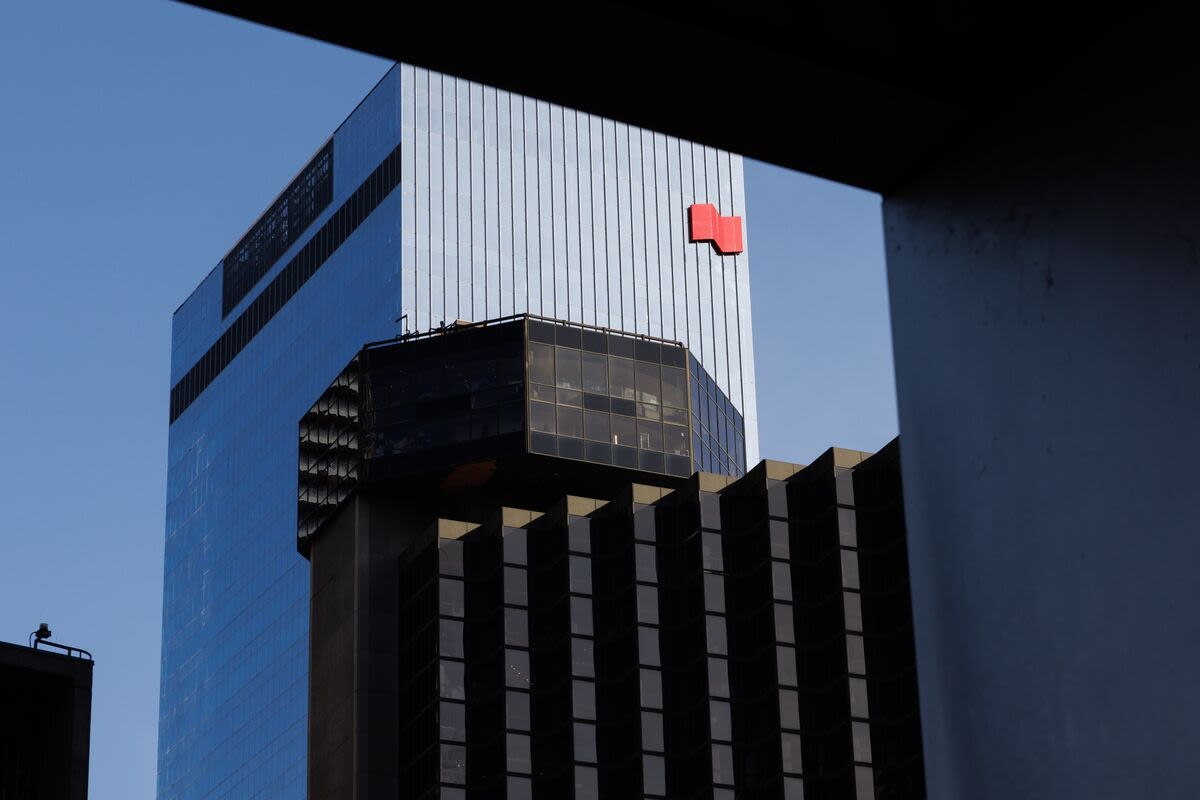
{"x":139,"y":140}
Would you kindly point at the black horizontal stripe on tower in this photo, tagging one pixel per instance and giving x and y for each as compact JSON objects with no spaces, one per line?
{"x":283,"y":223}
{"x":278,"y":292}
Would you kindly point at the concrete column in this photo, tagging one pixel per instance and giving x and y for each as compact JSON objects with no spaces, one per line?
{"x":1045,"y":301}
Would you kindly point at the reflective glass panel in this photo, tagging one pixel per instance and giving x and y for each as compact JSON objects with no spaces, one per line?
{"x":516,"y":589}
{"x":595,"y":373}
{"x":541,"y":417}
{"x":583,"y":699}
{"x":519,"y":758}
{"x":649,"y":384}
{"x":570,"y":422}
{"x":596,"y":426}
{"x":624,"y":431}
{"x":541,"y":363}
{"x":517,"y":668}
{"x":567,"y":374}
{"x":620,"y":378}
{"x":674,"y":387}
{"x":517,"y":710}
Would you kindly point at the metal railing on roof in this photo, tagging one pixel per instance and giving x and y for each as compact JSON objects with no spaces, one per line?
{"x":459,"y":325}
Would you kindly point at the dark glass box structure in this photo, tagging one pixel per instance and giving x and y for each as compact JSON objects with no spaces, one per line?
{"x":446,"y":404}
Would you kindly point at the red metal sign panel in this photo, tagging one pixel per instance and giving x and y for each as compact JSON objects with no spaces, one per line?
{"x":708,"y":226}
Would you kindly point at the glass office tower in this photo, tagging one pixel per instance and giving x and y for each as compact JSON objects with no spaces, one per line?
{"x":436,"y":200}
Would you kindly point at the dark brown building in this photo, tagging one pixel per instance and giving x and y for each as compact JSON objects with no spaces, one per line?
{"x":518,"y":624}
{"x":45,"y":724}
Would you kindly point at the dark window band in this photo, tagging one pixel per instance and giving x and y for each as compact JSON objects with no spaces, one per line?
{"x":285,"y":221}
{"x":279,"y":291}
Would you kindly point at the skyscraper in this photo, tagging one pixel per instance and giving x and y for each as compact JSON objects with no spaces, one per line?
{"x":436,"y":200}
{"x":496,"y":614}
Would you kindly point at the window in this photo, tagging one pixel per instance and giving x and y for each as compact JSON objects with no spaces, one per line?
{"x":855,"y":656}
{"x":451,"y":638}
{"x":541,"y":417}
{"x":453,"y":722}
{"x":586,"y":783}
{"x":785,"y":630}
{"x":649,"y":384}
{"x":585,"y":742}
{"x":651,"y":685}
{"x":710,"y":550}
{"x":780,"y":543}
{"x":714,"y":592}
{"x":541,"y":363}
{"x":649,"y":411}
{"x":516,"y":668}
{"x":647,"y":600}
{"x":582,"y":662}
{"x":452,"y":597}
{"x":652,"y":731}
{"x":675,"y":416}
{"x":514,"y":546}
{"x":581,"y":616}
{"x":650,"y":435}
{"x":850,"y":569}
{"x":781,"y":580}
{"x":454,"y":763}
{"x":791,"y":753}
{"x":583,"y":699}
{"x":579,"y":535}
{"x":715,"y":629}
{"x":722,"y":761}
{"x":789,"y":709}
{"x":516,"y":586}
{"x":858,"y":698}
{"x":674,"y":387}
{"x":581,"y":574}
{"x":675,"y":440}
{"x":450,"y":557}
{"x":596,"y":427}
{"x":567,"y":373}
{"x":654,"y":774}
{"x":519,"y":758}
{"x":720,"y":720}
{"x":864,"y":783}
{"x":570,"y":422}
{"x":620,"y":378}
{"x":852,"y":604}
{"x":452,"y":678}
{"x":644,"y":556}
{"x":862,"y":741}
{"x":718,"y":677}
{"x":517,"y":710}
{"x":785,"y":662}
{"x":624,"y":432}
{"x":595,"y":373}
{"x":648,"y":652}
{"x":847,"y":526}
{"x":516,"y":627}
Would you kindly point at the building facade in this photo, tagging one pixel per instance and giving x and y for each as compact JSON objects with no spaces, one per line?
{"x":491,"y":619}
{"x":46,"y":721}
{"x":436,"y":200}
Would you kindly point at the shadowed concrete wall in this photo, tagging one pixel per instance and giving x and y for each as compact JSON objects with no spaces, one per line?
{"x":1045,"y":300}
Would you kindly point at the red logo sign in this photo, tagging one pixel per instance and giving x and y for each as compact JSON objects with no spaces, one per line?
{"x":708,"y":226}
